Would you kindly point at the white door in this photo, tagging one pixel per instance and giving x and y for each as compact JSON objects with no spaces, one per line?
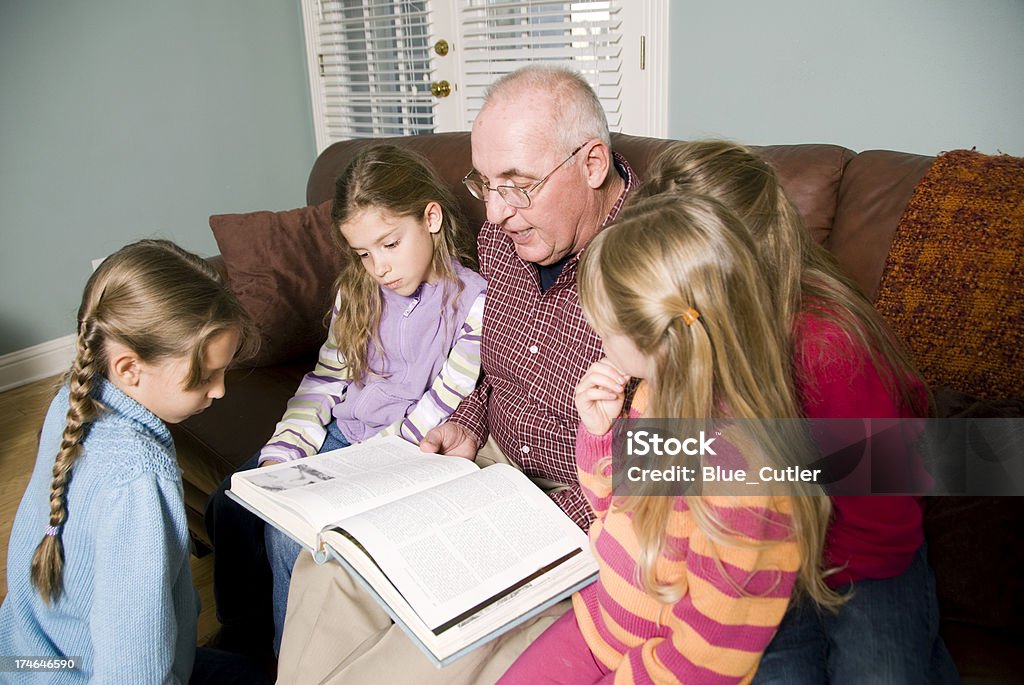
{"x":380,"y":68}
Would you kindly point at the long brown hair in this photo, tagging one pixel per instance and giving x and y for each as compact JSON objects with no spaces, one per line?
{"x":403,"y":183}
{"x":161,"y":302}
{"x":641,"y":277}
{"x":803,"y":274}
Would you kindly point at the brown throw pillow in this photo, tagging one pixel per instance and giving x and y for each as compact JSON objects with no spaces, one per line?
{"x":952,"y":285}
{"x":281,"y":266}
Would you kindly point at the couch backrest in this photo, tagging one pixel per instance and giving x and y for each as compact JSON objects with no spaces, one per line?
{"x":849,"y":202}
{"x":875,"y":190}
{"x":811,"y":174}
{"x":852,"y":203}
{"x":449,"y":153}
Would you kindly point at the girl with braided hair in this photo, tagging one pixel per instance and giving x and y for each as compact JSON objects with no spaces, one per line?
{"x":98,"y":564}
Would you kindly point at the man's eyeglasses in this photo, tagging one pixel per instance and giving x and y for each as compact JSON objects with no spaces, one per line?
{"x":514,"y":196}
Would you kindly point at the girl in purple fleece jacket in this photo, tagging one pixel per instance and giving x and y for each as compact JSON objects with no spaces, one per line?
{"x":402,"y":351}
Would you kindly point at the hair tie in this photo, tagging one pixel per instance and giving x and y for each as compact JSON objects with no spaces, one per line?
{"x":52,"y":531}
{"x":690,"y":315}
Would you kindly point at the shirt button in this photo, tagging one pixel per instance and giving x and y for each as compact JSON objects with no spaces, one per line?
{"x":525,"y":449}
{"x":533,"y":349}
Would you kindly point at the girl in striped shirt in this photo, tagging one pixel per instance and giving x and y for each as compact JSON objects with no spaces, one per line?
{"x":691,"y":587}
{"x":402,"y":351}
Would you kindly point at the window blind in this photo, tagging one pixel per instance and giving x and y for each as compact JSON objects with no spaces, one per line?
{"x":372,"y":62}
{"x":374,"y":67}
{"x":499,"y":36}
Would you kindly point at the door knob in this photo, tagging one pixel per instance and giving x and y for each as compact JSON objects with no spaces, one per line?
{"x":441,"y":89}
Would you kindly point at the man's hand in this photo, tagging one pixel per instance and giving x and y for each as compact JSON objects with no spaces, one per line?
{"x":450,"y":439}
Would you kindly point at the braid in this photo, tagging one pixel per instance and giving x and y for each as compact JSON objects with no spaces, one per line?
{"x":48,"y":560}
{"x":162,"y":303}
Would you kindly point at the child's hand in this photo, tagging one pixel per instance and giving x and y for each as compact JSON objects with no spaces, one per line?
{"x":599,"y":396}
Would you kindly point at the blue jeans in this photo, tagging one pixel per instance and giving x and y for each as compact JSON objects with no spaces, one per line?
{"x":888,"y":632}
{"x":282,"y":551}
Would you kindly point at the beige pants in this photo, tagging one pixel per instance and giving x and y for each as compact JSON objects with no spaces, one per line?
{"x":336,"y":633}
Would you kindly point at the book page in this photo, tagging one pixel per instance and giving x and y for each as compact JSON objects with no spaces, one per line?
{"x":456,"y":546}
{"x":328,"y":487}
{"x":459,"y":637}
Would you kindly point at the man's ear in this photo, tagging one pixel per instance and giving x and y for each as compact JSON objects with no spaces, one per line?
{"x":598,"y":163}
{"x":123,"y":365}
{"x":433,"y":216}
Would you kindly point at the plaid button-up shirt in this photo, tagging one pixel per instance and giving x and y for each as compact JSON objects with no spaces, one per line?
{"x":536,"y":346}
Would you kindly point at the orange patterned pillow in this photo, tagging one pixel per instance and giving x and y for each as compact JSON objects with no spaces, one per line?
{"x":953,"y":285}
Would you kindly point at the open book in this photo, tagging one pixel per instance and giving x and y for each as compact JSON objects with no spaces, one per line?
{"x":456,"y":554}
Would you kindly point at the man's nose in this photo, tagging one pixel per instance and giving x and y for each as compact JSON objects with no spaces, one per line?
{"x":498,"y":211}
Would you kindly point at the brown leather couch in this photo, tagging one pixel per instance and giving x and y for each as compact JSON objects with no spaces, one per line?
{"x":282,"y":265}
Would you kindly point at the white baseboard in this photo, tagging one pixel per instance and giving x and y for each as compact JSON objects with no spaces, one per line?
{"x":39,"y":361}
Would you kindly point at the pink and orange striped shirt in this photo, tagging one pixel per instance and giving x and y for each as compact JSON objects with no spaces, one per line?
{"x":715,"y":633}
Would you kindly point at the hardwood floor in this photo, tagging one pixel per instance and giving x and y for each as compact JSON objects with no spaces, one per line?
{"x":21,"y":416}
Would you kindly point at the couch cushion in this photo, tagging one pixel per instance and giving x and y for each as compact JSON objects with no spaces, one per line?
{"x":281,"y":265}
{"x":876,"y":187}
{"x":951,"y":287}
{"x":213,"y":444}
{"x":811,"y":176}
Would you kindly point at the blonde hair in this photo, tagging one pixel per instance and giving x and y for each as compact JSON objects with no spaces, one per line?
{"x":578,"y":113}
{"x":804,"y":276}
{"x":401,"y":182}
{"x":641,"y":277}
{"x":162,"y":303}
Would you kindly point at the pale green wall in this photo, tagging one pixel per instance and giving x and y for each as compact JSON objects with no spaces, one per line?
{"x":122,"y":119}
{"x":914,"y":75}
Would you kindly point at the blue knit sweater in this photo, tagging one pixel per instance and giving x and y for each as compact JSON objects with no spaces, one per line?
{"x":128,"y":611}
